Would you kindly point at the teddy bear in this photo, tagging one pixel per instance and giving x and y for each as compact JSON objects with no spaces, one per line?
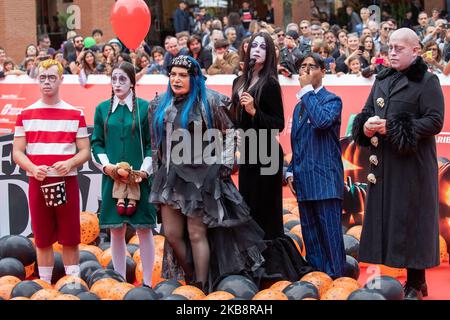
{"x":126,"y":187}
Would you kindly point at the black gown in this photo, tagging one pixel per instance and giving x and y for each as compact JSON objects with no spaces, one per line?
{"x":263,"y":193}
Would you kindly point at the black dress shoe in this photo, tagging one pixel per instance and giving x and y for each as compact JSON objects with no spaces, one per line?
{"x":412,"y":293}
{"x":424,"y":289}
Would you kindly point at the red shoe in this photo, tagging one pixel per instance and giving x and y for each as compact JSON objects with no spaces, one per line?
{"x":121,"y":209}
{"x":131,"y":209}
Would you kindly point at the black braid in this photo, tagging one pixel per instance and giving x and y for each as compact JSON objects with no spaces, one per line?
{"x":105,"y":126}
{"x":134,"y":111}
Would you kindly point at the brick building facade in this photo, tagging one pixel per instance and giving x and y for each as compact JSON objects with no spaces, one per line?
{"x":21,"y":21}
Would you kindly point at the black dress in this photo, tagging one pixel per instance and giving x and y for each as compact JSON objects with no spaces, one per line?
{"x":200,"y":189}
{"x":263,"y":193}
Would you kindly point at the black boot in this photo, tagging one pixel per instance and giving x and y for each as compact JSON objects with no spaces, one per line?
{"x":412,"y":293}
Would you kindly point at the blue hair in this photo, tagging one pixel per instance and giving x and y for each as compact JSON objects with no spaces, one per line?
{"x":197,"y":92}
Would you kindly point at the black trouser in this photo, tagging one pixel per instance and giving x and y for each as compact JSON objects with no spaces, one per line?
{"x":415,"y":278}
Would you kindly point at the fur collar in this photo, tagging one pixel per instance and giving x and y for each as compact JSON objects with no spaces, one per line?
{"x":415,"y":72}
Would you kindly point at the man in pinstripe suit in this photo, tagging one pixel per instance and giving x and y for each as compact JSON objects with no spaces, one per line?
{"x":315,"y":174}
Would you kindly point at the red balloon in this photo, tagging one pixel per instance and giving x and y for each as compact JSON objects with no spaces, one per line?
{"x":131,"y":20}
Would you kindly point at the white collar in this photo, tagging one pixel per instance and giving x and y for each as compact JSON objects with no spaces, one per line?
{"x":318,"y":89}
{"x":128,"y":101}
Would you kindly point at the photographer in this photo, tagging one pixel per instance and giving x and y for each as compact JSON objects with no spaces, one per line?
{"x":378,"y":63}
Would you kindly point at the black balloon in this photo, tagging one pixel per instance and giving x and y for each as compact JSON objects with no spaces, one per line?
{"x":141,"y":293}
{"x":19,"y":247}
{"x":351,"y":245}
{"x":174,"y":297}
{"x":12,"y":267}
{"x":351,"y":268}
{"x":25,"y":289}
{"x":104,"y":246}
{"x":87,"y":256}
{"x":73,"y":289}
{"x":388,"y":287}
{"x":130,"y":269}
{"x":58,"y":268}
{"x":366,"y":294}
{"x":300,"y":290}
{"x":88,"y":296}
{"x":132,"y":248}
{"x":239,"y":286}
{"x":87,"y":268}
{"x":2,"y":241}
{"x":291,"y":224}
{"x":102,"y":274}
{"x":166,"y":287}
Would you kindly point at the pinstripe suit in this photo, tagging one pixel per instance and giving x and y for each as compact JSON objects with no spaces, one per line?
{"x":319,"y":177}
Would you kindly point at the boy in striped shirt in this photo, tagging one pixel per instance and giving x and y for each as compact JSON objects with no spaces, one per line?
{"x":50,"y":142}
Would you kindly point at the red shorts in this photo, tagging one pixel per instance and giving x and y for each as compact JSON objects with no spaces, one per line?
{"x":53,"y":224}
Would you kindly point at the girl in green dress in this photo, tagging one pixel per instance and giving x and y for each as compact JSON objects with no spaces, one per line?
{"x":122,"y":134}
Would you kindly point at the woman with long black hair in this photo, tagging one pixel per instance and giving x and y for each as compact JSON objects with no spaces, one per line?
{"x":257,"y":107}
{"x":257,"y":104}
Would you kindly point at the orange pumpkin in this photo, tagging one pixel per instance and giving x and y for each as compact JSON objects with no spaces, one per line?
{"x":346,"y":282}
{"x":57,"y":247}
{"x":9,"y":280}
{"x":90,"y":228}
{"x":43,"y":284}
{"x":5,"y":290}
{"x":119,"y":290}
{"x":29,"y":270}
{"x":137,"y":256}
{"x":45,"y":294}
{"x":270,"y":294}
{"x":134,"y":240}
{"x":219,"y":295}
{"x":92,"y":249}
{"x":190,"y":292}
{"x":320,"y":280}
{"x":355,"y":231}
{"x":337,"y":293}
{"x":380,"y":269}
{"x":69,"y":280}
{"x":289,"y":217}
{"x":102,"y":288}
{"x":280,"y":285}
{"x":106,"y":257}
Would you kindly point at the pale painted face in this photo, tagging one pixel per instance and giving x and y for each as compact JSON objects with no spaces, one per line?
{"x":401,"y":53}
{"x":121,"y":83}
{"x":258,"y":50}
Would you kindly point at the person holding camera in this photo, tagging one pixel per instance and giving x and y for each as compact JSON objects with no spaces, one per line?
{"x":354,"y":49}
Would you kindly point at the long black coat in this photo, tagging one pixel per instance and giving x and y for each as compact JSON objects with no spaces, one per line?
{"x":401,"y":219}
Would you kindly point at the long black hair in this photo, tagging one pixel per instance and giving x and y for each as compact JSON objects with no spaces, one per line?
{"x":267,"y":73}
{"x":128,"y":68}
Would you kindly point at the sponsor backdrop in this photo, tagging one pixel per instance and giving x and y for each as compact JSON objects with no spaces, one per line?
{"x":17,"y":93}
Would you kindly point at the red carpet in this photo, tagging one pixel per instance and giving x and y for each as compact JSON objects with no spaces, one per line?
{"x":438,"y":279}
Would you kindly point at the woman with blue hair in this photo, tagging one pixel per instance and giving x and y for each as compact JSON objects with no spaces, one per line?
{"x":208,"y":228}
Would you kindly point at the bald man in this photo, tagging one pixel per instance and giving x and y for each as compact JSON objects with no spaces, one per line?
{"x":404,"y":112}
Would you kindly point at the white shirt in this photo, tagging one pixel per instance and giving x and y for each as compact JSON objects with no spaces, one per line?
{"x":300,"y":95}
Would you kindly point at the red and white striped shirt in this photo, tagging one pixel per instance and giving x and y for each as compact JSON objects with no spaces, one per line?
{"x":51,"y":133}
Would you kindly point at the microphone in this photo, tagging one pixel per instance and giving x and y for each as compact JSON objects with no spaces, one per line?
{"x":251,"y":65}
